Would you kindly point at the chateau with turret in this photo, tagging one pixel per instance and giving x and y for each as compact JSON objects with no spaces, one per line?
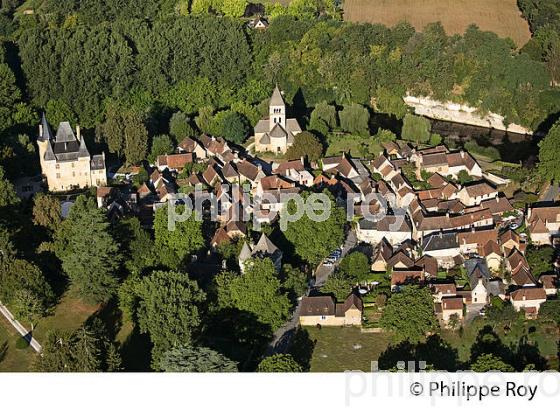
{"x":65,"y":160}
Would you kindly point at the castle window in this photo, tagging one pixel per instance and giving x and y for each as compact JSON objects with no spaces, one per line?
{"x":57,"y":166}
{"x":57,"y":176}
{"x":72,"y":165}
{"x":73,"y":173}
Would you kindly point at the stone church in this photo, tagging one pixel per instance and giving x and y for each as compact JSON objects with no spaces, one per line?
{"x":65,"y":159}
{"x":276,"y":133}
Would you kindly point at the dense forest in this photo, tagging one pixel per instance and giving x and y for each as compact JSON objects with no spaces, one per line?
{"x":77,"y":59}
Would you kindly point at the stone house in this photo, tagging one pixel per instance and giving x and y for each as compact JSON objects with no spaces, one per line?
{"x":322,"y":310}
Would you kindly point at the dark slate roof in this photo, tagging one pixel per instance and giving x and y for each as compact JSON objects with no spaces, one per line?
{"x":83,"y":151}
{"x":65,"y":133}
{"x":97,"y":162}
{"x":47,"y":132}
{"x":439,"y":241}
{"x":477,"y":269}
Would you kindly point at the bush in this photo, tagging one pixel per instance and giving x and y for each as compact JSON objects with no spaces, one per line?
{"x":491,"y":153}
{"x":381,"y":299}
{"x":21,"y":343}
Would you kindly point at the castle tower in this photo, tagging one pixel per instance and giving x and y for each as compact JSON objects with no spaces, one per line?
{"x":277,"y":109}
{"x":44,"y":141}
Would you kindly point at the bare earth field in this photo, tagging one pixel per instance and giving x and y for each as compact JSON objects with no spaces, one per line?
{"x":500,"y":16}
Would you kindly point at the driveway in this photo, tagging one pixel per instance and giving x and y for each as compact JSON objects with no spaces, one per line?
{"x":322,"y":272}
{"x":281,"y":338}
{"x":473,"y":311}
{"x":550,"y":194}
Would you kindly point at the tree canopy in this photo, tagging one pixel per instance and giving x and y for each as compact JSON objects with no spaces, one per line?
{"x":409,"y":313}
{"x":490,"y":363}
{"x":179,"y":243}
{"x":257,"y":290}
{"x":305,"y":145}
{"x":279,"y":363}
{"x":312,"y":240}
{"x":167,"y":307}
{"x":88,"y":252}
{"x":549,"y":151}
{"x":195,"y":360}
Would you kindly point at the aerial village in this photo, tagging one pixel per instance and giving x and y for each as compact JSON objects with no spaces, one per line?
{"x":464,"y":241}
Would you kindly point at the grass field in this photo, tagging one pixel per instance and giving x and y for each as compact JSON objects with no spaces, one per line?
{"x":338,"y":349}
{"x":69,"y":314}
{"x":12,"y":358}
{"x":500,"y":16}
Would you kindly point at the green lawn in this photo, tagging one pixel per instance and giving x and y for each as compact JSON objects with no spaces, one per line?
{"x":12,"y":358}
{"x":345,"y":348}
{"x":69,"y":314}
{"x":339,"y":348}
{"x":542,"y":335}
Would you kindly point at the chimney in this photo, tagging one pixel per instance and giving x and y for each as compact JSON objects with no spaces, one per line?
{"x":472,"y":229}
{"x":462,"y":154}
{"x":301,"y":159}
{"x":78,"y":134}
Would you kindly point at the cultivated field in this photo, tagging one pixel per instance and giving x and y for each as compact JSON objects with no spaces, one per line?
{"x":500,"y":16}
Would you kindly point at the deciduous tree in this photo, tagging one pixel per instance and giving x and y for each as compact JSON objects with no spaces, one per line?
{"x":312,"y":240}
{"x":168,"y":309}
{"x":305,"y":145}
{"x":279,"y":363}
{"x":257,"y":290}
{"x":409,"y":313}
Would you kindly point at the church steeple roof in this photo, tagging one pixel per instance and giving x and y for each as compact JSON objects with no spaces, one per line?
{"x":277,"y":98}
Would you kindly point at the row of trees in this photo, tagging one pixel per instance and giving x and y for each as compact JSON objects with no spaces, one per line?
{"x":188,"y":63}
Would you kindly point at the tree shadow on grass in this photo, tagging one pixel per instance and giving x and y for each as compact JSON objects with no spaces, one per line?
{"x":435,"y":352}
{"x":237,"y":334}
{"x":301,"y":348}
{"x":488,"y":342}
{"x":528,"y":356}
{"x":136,"y":352}
{"x":111,"y":317}
{"x":3,"y":350}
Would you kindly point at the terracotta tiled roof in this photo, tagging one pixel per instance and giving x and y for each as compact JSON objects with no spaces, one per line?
{"x":528,"y":294}
{"x":452,"y":303}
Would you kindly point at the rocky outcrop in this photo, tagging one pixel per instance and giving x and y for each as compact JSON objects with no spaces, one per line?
{"x":464,"y":114}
